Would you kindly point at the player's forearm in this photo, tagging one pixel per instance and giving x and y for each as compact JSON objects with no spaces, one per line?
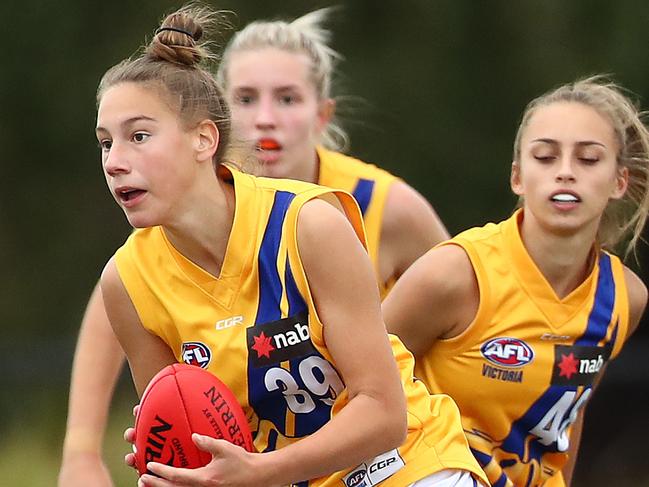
{"x":89,"y":403}
{"x":97,"y":363}
{"x":363,"y":429}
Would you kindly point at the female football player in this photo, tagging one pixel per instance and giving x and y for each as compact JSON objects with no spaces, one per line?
{"x":307,"y":355}
{"x":274,"y":73}
{"x":517,"y":320}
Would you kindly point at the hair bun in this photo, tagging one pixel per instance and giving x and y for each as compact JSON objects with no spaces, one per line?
{"x":177,"y":39}
{"x":182,"y":31}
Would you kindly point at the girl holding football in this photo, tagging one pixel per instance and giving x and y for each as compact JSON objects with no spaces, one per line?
{"x":212,"y":243}
{"x":271,"y":71}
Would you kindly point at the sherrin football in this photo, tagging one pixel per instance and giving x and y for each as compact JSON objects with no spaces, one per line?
{"x":180,"y":400}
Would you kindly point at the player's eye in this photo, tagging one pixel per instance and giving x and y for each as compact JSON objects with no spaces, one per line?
{"x":287,"y":99}
{"x":544,"y":158}
{"x":139,"y":137}
{"x":105,"y":144}
{"x":244,"y":99}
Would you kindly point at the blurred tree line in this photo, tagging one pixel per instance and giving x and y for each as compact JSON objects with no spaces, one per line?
{"x":430,"y":89}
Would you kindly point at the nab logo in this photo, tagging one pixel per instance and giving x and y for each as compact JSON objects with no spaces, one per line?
{"x":507,"y":352}
{"x":281,"y":340}
{"x":299,"y":334}
{"x":578,"y":365}
{"x":196,"y":353}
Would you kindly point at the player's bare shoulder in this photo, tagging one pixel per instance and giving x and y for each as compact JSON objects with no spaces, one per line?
{"x":406,"y":208}
{"x":449,"y":275}
{"x":410,"y":226}
{"x":110,"y":283}
{"x":442,"y":284}
{"x":637,"y":298}
{"x":319,"y":217}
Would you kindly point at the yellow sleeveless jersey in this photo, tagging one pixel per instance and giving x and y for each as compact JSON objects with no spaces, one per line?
{"x":256,"y":328}
{"x":369,"y":185}
{"x":524,"y":369}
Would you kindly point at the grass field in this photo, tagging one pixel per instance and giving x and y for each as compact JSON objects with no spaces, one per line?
{"x":30,"y":449}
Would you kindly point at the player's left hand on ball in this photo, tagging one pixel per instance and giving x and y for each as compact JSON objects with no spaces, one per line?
{"x":231,"y":465}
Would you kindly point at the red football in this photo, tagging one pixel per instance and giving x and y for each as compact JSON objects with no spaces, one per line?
{"x":180,"y":400}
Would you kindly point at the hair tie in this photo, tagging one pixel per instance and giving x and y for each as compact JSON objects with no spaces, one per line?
{"x":175,"y":29}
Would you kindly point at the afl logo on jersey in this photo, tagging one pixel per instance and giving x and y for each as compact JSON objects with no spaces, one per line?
{"x":507,"y":352}
{"x":196,"y":353}
{"x":356,"y":478}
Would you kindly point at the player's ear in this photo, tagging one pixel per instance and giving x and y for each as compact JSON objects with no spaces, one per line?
{"x":515,"y":179}
{"x":621,"y":183}
{"x":206,"y":140}
{"x":326,"y":111}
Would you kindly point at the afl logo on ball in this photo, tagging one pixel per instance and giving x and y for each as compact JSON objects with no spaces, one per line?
{"x":196,"y":353}
{"x":507,"y":352}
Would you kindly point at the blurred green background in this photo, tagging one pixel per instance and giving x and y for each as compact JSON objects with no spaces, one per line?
{"x":429,"y":89}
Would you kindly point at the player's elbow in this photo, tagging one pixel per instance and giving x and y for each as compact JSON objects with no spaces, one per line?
{"x":398,"y":431}
{"x":394,"y":425}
